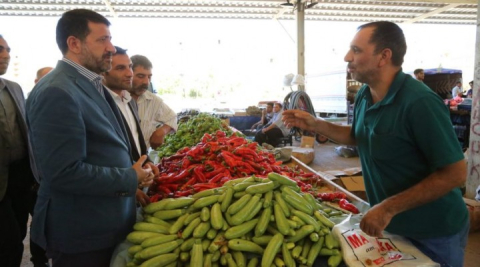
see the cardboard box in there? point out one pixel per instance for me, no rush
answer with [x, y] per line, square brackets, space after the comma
[355, 185]
[307, 141]
[304, 154]
[473, 207]
[226, 121]
[240, 113]
[346, 172]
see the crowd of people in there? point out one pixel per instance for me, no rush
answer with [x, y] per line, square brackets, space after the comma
[83, 158]
[82, 136]
[457, 91]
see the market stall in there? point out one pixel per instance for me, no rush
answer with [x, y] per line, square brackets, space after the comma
[227, 201]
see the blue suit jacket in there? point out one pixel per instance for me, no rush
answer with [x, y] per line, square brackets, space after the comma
[86, 199]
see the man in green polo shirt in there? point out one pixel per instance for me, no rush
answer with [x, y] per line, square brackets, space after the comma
[411, 164]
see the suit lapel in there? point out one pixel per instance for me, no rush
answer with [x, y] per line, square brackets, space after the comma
[89, 89]
[19, 106]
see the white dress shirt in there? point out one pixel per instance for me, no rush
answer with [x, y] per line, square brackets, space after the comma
[122, 103]
[153, 112]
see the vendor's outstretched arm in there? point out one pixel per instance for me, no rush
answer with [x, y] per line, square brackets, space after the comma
[305, 121]
[431, 188]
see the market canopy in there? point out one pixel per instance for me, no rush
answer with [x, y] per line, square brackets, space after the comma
[414, 11]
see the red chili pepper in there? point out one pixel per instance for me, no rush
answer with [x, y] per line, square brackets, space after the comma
[177, 177]
[190, 182]
[172, 187]
[340, 195]
[213, 173]
[164, 190]
[175, 156]
[325, 196]
[307, 175]
[255, 165]
[185, 163]
[219, 134]
[154, 198]
[198, 171]
[201, 187]
[206, 137]
[184, 193]
[183, 150]
[164, 177]
[228, 160]
[344, 204]
[216, 178]
[246, 166]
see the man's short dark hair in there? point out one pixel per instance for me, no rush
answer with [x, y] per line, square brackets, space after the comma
[139, 60]
[388, 35]
[75, 23]
[471, 82]
[417, 71]
[270, 104]
[120, 51]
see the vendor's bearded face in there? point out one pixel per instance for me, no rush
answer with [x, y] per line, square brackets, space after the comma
[141, 80]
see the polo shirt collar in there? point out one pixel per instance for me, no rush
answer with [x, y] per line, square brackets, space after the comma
[392, 91]
[394, 88]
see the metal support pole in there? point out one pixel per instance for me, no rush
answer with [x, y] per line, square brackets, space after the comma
[473, 175]
[300, 19]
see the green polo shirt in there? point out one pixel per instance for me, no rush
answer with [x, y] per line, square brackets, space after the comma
[401, 140]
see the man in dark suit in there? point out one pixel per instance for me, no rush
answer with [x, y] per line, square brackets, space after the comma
[86, 200]
[16, 177]
[118, 80]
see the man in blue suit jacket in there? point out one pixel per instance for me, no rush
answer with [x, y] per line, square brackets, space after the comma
[86, 200]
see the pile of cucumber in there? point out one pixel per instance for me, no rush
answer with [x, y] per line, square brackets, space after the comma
[248, 222]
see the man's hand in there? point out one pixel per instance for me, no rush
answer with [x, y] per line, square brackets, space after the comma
[376, 220]
[142, 198]
[158, 137]
[154, 168]
[298, 118]
[144, 174]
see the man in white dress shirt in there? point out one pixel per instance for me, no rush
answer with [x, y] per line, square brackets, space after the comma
[157, 119]
[117, 80]
[457, 90]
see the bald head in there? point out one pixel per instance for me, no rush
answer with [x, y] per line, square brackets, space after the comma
[42, 72]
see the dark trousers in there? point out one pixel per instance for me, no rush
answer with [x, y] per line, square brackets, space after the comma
[271, 137]
[14, 208]
[39, 257]
[97, 258]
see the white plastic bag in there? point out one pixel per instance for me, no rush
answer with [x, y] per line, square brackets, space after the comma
[359, 249]
[120, 256]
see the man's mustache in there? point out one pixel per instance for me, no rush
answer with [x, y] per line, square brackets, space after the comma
[108, 55]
